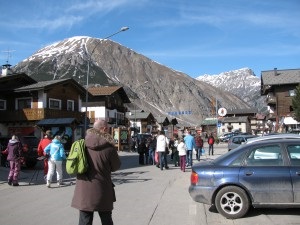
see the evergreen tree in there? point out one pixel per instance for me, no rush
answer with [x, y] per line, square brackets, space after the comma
[296, 103]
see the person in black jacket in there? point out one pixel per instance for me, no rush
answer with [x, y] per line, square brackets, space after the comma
[142, 150]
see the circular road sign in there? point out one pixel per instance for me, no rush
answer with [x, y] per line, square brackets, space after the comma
[222, 112]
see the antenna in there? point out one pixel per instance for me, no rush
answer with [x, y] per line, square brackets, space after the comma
[8, 54]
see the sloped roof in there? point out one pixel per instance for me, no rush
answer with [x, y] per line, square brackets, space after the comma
[274, 77]
[138, 115]
[162, 119]
[50, 83]
[238, 119]
[109, 90]
[57, 121]
[9, 82]
[209, 121]
[242, 111]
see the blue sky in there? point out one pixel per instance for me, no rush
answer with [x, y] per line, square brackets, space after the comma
[193, 36]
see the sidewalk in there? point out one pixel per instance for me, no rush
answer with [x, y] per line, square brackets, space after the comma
[145, 196]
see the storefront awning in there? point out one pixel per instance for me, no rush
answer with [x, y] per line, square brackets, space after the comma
[56, 121]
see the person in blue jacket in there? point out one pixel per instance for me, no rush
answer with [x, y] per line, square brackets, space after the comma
[190, 143]
[56, 153]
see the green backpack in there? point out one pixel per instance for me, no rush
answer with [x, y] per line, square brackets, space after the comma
[76, 160]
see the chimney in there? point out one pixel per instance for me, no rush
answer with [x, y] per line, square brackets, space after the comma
[6, 70]
[275, 72]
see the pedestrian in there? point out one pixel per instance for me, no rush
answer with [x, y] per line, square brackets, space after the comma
[41, 146]
[189, 141]
[94, 190]
[199, 146]
[133, 143]
[56, 153]
[171, 146]
[175, 152]
[161, 148]
[182, 154]
[14, 156]
[142, 150]
[211, 142]
[147, 140]
[152, 147]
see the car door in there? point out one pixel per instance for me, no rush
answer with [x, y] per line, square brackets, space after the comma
[294, 156]
[265, 175]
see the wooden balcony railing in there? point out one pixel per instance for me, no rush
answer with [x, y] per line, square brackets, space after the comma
[38, 114]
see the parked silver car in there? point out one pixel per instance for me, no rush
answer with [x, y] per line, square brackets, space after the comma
[238, 140]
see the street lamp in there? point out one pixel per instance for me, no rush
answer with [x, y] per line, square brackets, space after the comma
[88, 74]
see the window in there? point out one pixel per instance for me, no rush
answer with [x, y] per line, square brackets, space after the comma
[2, 104]
[265, 156]
[292, 93]
[24, 103]
[294, 154]
[54, 103]
[70, 105]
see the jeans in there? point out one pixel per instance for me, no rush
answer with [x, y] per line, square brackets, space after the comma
[151, 156]
[211, 149]
[199, 152]
[189, 154]
[163, 160]
[86, 218]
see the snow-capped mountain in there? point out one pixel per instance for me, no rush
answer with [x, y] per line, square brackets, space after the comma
[242, 82]
[150, 85]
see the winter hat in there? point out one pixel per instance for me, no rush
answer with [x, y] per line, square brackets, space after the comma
[14, 138]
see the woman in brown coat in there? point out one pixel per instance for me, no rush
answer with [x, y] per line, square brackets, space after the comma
[94, 190]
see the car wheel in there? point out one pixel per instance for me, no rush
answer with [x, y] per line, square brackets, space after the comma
[232, 202]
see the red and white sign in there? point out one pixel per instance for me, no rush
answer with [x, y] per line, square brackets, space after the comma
[222, 112]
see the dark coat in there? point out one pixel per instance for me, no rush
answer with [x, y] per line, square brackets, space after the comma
[94, 190]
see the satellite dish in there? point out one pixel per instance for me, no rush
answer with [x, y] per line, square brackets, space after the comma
[222, 112]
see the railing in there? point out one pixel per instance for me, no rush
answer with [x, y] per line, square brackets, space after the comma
[38, 114]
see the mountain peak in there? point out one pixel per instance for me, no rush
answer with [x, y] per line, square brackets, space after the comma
[150, 85]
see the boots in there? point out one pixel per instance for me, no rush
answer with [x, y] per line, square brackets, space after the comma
[9, 181]
[48, 184]
[15, 183]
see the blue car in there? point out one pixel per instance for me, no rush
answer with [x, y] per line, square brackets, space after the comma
[259, 174]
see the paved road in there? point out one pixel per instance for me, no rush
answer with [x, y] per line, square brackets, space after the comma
[145, 196]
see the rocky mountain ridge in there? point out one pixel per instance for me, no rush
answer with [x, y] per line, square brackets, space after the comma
[150, 86]
[243, 83]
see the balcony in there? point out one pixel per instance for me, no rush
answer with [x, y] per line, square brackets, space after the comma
[38, 114]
